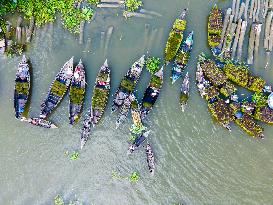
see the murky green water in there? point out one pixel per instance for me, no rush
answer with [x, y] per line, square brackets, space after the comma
[197, 161]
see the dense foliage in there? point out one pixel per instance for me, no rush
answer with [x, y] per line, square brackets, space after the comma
[45, 11]
[132, 5]
[152, 64]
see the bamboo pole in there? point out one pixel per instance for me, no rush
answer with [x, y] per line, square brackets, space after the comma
[254, 10]
[106, 5]
[241, 40]
[236, 39]
[225, 26]
[237, 10]
[267, 29]
[266, 3]
[227, 33]
[258, 30]
[258, 10]
[251, 9]
[241, 11]
[246, 9]
[30, 29]
[233, 7]
[232, 32]
[19, 29]
[251, 44]
[271, 37]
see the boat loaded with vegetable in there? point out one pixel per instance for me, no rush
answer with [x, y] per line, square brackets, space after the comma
[124, 110]
[128, 84]
[152, 92]
[182, 58]
[99, 101]
[22, 87]
[57, 89]
[215, 26]
[39, 122]
[175, 37]
[184, 94]
[76, 93]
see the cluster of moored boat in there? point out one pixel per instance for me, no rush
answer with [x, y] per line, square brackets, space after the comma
[218, 76]
[73, 80]
[179, 52]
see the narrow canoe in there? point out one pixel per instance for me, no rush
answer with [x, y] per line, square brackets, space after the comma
[99, 101]
[151, 94]
[76, 93]
[184, 92]
[128, 83]
[182, 58]
[22, 87]
[150, 159]
[138, 141]
[57, 89]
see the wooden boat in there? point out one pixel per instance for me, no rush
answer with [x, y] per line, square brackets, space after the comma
[175, 36]
[128, 83]
[150, 159]
[182, 58]
[57, 89]
[151, 94]
[124, 110]
[215, 27]
[22, 87]
[76, 93]
[39, 122]
[138, 141]
[184, 94]
[99, 101]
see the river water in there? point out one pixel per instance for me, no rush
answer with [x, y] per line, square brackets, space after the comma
[197, 161]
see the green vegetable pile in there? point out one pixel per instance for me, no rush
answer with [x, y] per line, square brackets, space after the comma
[99, 98]
[127, 84]
[22, 88]
[58, 88]
[76, 95]
[156, 81]
[152, 64]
